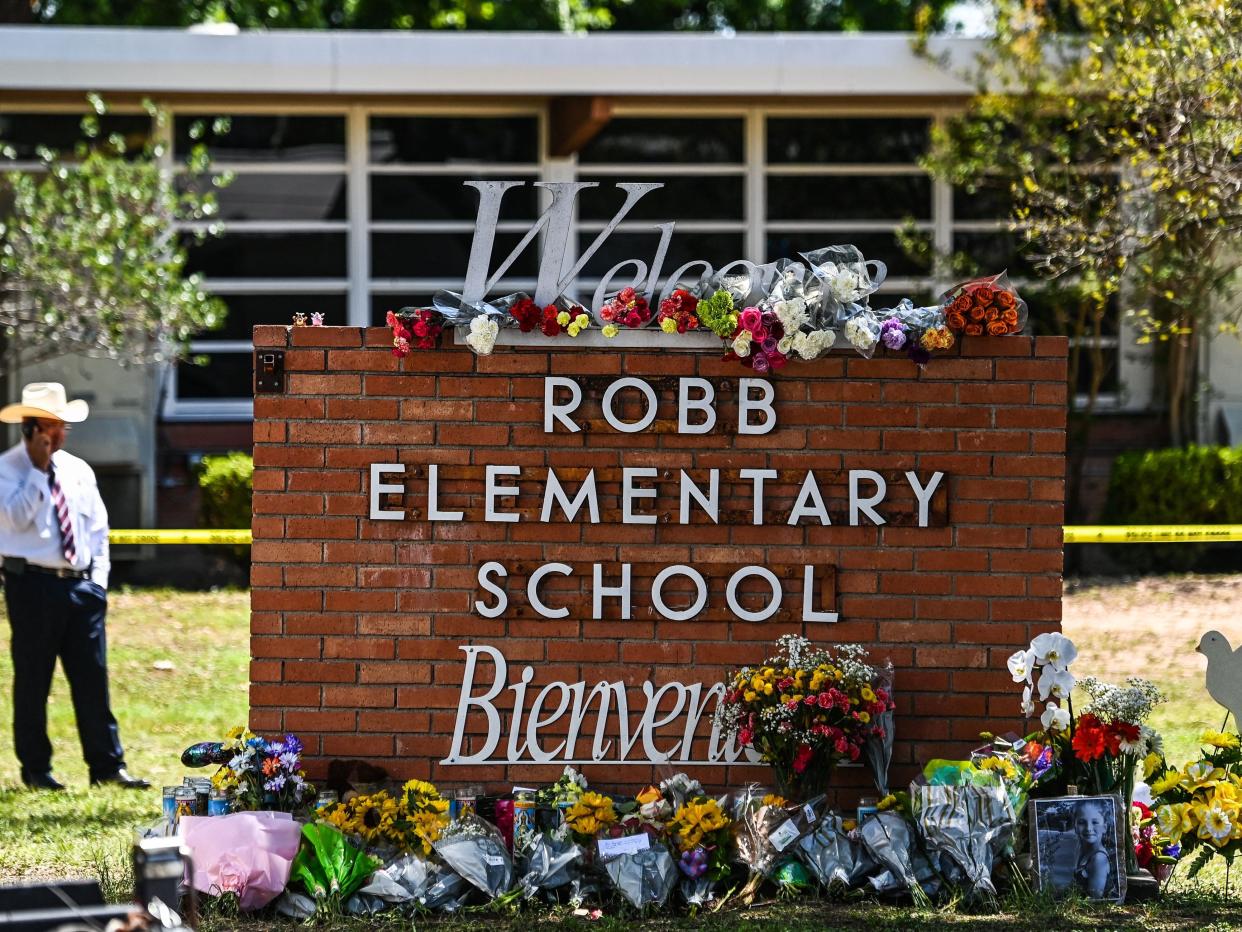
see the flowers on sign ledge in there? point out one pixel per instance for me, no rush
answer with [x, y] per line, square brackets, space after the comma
[414, 328]
[628, 308]
[678, 312]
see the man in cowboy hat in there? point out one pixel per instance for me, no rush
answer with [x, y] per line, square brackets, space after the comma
[54, 541]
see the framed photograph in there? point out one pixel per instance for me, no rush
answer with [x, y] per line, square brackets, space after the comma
[1076, 843]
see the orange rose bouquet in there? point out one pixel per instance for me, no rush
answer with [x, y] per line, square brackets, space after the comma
[984, 306]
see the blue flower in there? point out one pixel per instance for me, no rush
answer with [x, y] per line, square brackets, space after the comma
[292, 744]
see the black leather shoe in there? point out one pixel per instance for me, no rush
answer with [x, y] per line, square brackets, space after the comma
[122, 778]
[42, 781]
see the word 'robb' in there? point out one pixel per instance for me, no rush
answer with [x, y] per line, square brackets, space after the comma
[696, 414]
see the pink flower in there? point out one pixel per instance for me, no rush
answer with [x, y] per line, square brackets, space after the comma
[745, 735]
[854, 752]
[750, 318]
[802, 758]
[841, 746]
[607, 313]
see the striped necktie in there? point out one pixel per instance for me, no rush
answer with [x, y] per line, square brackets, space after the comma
[62, 516]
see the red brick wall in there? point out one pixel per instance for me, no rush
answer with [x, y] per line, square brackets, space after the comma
[356, 624]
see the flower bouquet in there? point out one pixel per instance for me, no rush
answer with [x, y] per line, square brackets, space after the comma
[1198, 809]
[627, 308]
[414, 328]
[757, 339]
[678, 312]
[988, 306]
[474, 850]
[805, 710]
[263, 773]
[412, 821]
[701, 833]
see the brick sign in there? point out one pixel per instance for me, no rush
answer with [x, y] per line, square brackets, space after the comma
[477, 569]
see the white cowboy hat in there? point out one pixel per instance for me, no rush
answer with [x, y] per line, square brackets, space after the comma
[45, 399]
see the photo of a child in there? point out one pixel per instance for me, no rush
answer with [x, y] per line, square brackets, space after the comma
[1076, 844]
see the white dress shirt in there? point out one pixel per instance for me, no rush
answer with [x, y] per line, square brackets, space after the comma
[29, 527]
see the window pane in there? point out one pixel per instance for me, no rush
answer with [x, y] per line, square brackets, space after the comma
[1060, 312]
[264, 138]
[705, 197]
[846, 139]
[443, 197]
[882, 246]
[995, 252]
[247, 310]
[1103, 362]
[984, 204]
[381, 304]
[442, 255]
[277, 197]
[869, 197]
[650, 139]
[717, 248]
[61, 132]
[224, 375]
[270, 255]
[454, 139]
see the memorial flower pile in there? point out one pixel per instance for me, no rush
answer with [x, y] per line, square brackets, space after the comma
[806, 709]
[263, 773]
[590, 816]
[758, 339]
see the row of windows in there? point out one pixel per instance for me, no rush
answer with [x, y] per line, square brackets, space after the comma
[286, 247]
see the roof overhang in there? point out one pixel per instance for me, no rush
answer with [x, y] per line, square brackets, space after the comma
[43, 59]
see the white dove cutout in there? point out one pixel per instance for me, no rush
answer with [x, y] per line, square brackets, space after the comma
[1224, 673]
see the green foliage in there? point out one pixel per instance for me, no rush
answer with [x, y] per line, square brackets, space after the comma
[1185, 485]
[90, 263]
[553, 15]
[1113, 127]
[225, 483]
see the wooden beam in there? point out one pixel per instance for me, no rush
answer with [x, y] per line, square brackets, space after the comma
[575, 121]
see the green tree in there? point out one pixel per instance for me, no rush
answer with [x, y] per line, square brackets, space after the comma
[90, 262]
[554, 15]
[1115, 127]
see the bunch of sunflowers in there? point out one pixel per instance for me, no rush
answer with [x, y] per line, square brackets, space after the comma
[411, 821]
[590, 815]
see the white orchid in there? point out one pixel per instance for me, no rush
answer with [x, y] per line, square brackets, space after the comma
[1054, 683]
[1020, 665]
[1055, 718]
[1054, 649]
[1028, 705]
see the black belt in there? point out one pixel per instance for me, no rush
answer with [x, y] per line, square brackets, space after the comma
[18, 565]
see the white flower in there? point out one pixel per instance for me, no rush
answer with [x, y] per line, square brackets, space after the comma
[844, 285]
[1054, 683]
[784, 344]
[1055, 718]
[741, 343]
[1028, 706]
[791, 314]
[482, 336]
[1054, 649]
[813, 344]
[860, 335]
[1020, 665]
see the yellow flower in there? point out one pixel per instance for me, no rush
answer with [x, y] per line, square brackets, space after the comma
[648, 795]
[563, 318]
[1219, 739]
[888, 802]
[696, 819]
[1166, 783]
[849, 824]
[668, 325]
[611, 330]
[773, 800]
[867, 694]
[1150, 764]
[573, 329]
[1216, 824]
[864, 717]
[750, 695]
[582, 321]
[1174, 821]
[1200, 774]
[590, 813]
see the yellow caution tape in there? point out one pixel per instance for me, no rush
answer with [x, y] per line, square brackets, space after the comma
[1153, 534]
[1101, 534]
[192, 536]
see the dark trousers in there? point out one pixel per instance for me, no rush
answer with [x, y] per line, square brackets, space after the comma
[53, 617]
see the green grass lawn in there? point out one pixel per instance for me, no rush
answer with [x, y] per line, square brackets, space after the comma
[1146, 627]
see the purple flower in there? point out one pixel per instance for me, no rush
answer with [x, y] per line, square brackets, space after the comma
[292, 744]
[1173, 851]
[290, 761]
[275, 748]
[893, 334]
[693, 863]
[276, 784]
[769, 345]
[760, 362]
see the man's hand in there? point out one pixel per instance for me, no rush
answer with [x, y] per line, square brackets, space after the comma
[39, 448]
